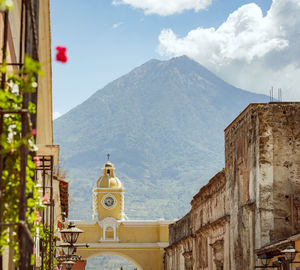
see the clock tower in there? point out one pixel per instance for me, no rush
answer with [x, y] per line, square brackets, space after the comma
[140, 241]
[108, 195]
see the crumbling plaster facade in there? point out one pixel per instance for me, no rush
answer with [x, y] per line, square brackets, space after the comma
[250, 203]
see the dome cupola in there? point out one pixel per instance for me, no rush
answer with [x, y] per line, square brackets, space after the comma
[108, 195]
[108, 178]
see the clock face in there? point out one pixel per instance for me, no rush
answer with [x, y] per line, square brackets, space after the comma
[109, 201]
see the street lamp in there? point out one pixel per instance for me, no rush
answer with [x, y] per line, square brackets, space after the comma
[290, 253]
[70, 236]
[71, 233]
[264, 259]
[67, 249]
[68, 264]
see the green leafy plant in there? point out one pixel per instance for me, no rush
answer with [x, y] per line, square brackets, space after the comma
[5, 5]
[11, 99]
[49, 252]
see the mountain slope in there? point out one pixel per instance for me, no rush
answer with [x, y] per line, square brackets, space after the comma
[163, 125]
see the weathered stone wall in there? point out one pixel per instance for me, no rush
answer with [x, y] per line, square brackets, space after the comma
[254, 201]
[280, 127]
[179, 234]
[262, 165]
[206, 204]
[197, 240]
[209, 216]
[180, 229]
[241, 174]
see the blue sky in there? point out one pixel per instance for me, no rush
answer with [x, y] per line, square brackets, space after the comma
[107, 39]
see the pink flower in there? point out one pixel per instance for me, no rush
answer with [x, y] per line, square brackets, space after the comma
[45, 199]
[33, 132]
[38, 217]
[34, 250]
[37, 161]
[61, 54]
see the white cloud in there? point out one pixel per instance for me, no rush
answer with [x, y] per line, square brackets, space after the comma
[116, 25]
[165, 7]
[249, 50]
[56, 115]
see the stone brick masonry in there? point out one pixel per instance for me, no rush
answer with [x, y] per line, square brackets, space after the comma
[249, 203]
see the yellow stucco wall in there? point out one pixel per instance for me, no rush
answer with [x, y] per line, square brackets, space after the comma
[141, 242]
[128, 231]
[146, 259]
[147, 234]
[44, 102]
[297, 258]
[116, 211]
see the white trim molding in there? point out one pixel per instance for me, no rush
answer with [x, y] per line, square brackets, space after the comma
[107, 223]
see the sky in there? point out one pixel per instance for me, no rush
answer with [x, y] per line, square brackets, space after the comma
[254, 45]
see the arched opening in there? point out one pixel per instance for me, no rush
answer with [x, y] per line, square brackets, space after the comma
[112, 261]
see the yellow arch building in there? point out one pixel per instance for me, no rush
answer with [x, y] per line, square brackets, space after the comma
[142, 242]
